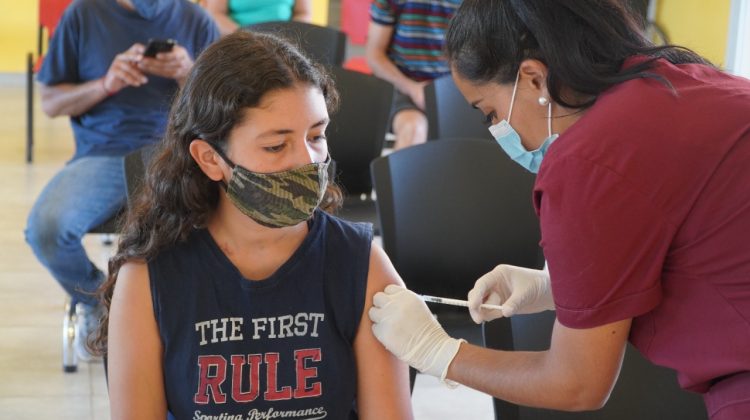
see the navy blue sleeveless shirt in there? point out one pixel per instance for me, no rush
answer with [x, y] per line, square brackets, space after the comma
[274, 348]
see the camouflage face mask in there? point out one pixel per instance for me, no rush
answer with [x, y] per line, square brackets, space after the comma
[278, 199]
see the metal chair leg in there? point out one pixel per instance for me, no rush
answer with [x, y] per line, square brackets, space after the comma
[70, 361]
[29, 108]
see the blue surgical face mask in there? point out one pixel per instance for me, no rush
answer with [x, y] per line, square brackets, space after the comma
[507, 137]
[149, 9]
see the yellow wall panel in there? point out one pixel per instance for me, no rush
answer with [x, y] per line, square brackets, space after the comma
[700, 25]
[320, 12]
[18, 26]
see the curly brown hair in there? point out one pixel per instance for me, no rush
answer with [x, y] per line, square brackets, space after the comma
[230, 76]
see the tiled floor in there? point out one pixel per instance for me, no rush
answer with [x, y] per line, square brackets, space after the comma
[33, 385]
[31, 305]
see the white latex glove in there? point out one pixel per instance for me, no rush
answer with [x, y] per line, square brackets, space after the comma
[407, 328]
[519, 290]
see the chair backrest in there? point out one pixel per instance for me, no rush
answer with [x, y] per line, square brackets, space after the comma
[451, 211]
[448, 113]
[355, 20]
[323, 44]
[643, 391]
[134, 165]
[50, 12]
[357, 131]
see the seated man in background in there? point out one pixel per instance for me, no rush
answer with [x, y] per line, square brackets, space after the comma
[405, 47]
[95, 72]
[232, 14]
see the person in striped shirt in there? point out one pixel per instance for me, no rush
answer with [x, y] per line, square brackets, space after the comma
[405, 47]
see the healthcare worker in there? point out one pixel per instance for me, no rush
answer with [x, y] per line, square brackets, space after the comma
[643, 195]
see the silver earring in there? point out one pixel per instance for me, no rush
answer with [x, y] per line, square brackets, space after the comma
[543, 101]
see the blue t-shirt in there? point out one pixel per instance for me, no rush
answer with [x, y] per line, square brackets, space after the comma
[274, 348]
[89, 36]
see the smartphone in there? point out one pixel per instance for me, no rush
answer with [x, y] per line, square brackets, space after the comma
[156, 46]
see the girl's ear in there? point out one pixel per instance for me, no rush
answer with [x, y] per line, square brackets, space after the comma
[209, 160]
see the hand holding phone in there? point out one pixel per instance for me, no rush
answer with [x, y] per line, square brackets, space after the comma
[156, 46]
[175, 61]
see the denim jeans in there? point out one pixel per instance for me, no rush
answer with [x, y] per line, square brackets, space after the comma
[84, 194]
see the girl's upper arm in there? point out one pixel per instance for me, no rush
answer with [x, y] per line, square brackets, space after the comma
[382, 380]
[136, 385]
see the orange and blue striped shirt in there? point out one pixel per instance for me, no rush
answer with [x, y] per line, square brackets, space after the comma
[419, 34]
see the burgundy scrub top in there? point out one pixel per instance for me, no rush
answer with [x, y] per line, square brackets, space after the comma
[644, 205]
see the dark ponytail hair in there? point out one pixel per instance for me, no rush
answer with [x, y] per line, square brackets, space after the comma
[584, 43]
[230, 76]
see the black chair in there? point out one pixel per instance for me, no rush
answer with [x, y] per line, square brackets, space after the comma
[109, 228]
[356, 136]
[448, 113]
[134, 164]
[450, 211]
[134, 172]
[323, 44]
[643, 391]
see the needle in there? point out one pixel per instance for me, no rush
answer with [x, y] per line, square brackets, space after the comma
[456, 302]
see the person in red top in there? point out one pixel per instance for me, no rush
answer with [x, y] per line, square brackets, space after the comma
[643, 195]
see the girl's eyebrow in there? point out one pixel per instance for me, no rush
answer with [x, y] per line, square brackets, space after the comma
[283, 131]
[324, 121]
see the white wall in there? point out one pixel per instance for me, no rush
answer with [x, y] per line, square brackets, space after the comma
[738, 42]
